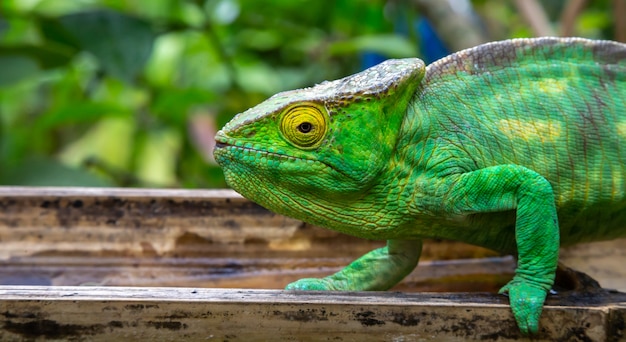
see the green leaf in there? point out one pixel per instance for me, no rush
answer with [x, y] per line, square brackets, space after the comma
[591, 23]
[121, 43]
[41, 171]
[391, 46]
[53, 30]
[73, 113]
[262, 40]
[26, 60]
[258, 78]
[46, 56]
[157, 157]
[109, 141]
[15, 68]
[172, 105]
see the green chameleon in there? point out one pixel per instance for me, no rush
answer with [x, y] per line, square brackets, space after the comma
[518, 146]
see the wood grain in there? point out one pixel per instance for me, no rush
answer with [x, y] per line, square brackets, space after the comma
[161, 314]
[177, 263]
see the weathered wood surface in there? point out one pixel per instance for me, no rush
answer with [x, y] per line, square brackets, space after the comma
[216, 238]
[212, 239]
[164, 314]
[138, 237]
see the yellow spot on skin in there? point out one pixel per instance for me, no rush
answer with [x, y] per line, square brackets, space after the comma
[621, 129]
[550, 85]
[618, 185]
[537, 130]
[565, 196]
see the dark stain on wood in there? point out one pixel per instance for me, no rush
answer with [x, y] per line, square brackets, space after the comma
[132, 211]
[304, 315]
[175, 326]
[368, 319]
[617, 324]
[50, 329]
[140, 307]
[407, 320]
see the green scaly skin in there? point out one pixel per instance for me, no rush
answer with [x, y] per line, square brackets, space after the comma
[518, 146]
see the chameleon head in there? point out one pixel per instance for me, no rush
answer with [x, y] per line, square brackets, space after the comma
[306, 147]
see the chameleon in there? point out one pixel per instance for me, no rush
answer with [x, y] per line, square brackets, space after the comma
[518, 146]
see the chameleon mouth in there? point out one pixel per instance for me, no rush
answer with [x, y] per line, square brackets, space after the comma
[249, 150]
[224, 144]
[221, 140]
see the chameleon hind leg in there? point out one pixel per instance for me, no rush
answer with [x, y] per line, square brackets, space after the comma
[377, 270]
[507, 187]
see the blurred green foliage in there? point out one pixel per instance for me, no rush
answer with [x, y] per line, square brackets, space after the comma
[130, 93]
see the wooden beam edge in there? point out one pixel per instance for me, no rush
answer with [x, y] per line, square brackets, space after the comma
[235, 295]
[132, 313]
[71, 192]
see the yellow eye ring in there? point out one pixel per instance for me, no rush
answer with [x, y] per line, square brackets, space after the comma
[304, 125]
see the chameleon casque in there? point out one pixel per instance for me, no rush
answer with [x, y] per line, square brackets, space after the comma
[518, 146]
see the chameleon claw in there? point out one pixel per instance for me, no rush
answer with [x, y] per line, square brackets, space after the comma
[526, 302]
[309, 284]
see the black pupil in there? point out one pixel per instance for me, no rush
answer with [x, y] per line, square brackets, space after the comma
[305, 127]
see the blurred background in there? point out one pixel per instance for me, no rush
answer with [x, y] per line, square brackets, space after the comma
[130, 92]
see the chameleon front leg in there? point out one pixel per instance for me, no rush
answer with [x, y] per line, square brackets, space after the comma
[507, 187]
[377, 270]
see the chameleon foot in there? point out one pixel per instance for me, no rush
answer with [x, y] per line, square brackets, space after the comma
[310, 284]
[526, 302]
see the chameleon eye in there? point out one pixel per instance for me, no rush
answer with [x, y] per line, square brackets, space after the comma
[304, 125]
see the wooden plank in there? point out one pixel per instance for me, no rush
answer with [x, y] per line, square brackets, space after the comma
[216, 238]
[164, 223]
[133, 314]
[130, 221]
[213, 238]
[617, 323]
[195, 239]
[487, 274]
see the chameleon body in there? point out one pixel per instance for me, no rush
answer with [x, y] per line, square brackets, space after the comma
[518, 146]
